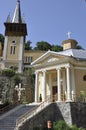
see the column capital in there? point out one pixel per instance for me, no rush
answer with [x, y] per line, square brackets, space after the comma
[58, 68]
[44, 70]
[36, 72]
[67, 66]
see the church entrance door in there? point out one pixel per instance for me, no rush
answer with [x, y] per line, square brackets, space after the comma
[54, 92]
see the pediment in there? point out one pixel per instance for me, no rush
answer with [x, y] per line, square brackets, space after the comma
[48, 57]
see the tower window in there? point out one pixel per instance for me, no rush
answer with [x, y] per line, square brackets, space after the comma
[12, 49]
[27, 59]
[13, 42]
[84, 77]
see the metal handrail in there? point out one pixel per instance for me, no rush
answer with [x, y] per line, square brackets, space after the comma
[33, 112]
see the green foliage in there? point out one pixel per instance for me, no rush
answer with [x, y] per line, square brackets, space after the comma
[2, 39]
[74, 128]
[43, 46]
[56, 48]
[28, 45]
[60, 125]
[8, 72]
[79, 47]
[17, 79]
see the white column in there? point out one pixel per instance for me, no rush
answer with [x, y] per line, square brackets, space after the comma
[21, 50]
[36, 86]
[5, 48]
[68, 84]
[59, 83]
[64, 85]
[20, 68]
[73, 85]
[5, 52]
[44, 86]
[50, 86]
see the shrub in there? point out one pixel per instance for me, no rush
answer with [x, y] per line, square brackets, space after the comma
[8, 72]
[60, 125]
[17, 79]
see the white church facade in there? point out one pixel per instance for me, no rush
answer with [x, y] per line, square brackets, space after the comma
[61, 76]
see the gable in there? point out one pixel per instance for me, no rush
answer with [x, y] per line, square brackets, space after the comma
[48, 57]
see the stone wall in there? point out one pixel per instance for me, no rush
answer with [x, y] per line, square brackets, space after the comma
[71, 113]
[8, 92]
[78, 114]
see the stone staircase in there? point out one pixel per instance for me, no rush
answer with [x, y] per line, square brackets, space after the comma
[8, 120]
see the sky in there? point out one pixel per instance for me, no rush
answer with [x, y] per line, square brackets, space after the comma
[49, 20]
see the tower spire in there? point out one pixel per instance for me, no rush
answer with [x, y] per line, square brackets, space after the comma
[17, 14]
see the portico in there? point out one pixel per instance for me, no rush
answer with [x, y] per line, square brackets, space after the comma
[54, 83]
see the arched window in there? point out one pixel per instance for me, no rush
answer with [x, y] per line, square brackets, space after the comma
[84, 77]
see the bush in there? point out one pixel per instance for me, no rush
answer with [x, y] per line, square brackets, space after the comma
[17, 79]
[8, 72]
[60, 125]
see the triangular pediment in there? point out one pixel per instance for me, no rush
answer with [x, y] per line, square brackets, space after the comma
[48, 57]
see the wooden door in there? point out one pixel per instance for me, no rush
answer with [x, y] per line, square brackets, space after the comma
[54, 92]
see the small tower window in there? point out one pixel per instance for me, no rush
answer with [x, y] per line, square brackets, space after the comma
[13, 42]
[84, 77]
[12, 49]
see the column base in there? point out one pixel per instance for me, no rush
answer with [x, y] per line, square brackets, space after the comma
[69, 100]
[34, 103]
[59, 101]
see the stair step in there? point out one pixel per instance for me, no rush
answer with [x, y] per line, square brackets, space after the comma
[8, 122]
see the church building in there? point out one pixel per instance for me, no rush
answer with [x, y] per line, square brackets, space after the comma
[61, 76]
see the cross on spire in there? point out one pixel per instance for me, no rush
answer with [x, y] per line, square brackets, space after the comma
[68, 34]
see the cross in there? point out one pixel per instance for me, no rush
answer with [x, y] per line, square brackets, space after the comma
[19, 90]
[68, 34]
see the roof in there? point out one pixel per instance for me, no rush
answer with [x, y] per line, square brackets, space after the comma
[76, 53]
[17, 14]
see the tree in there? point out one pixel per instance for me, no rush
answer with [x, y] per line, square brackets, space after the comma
[43, 46]
[79, 47]
[28, 45]
[2, 40]
[56, 48]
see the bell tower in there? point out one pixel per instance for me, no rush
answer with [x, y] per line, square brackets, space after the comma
[15, 33]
